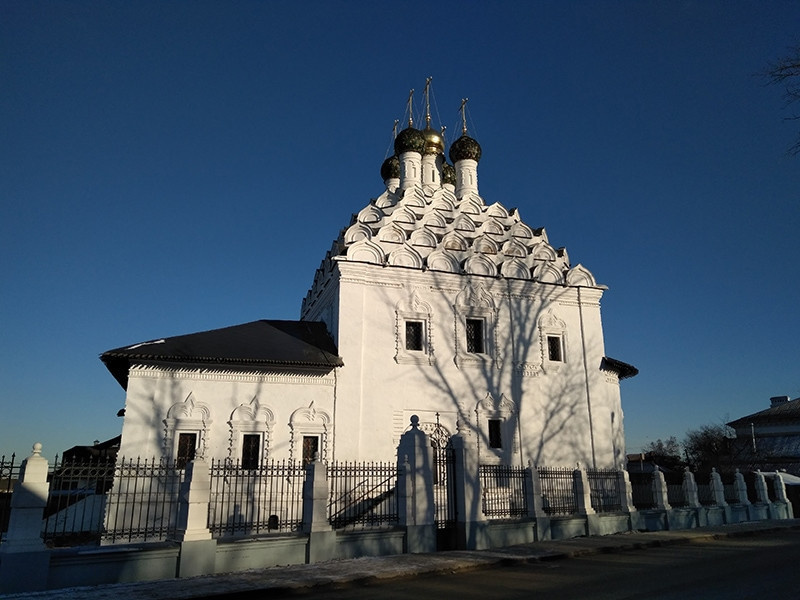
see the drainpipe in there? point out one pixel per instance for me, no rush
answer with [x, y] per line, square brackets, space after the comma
[586, 379]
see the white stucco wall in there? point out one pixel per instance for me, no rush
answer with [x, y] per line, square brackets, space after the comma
[221, 405]
[545, 406]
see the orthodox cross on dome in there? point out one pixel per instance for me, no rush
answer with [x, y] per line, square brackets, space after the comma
[394, 129]
[428, 102]
[463, 111]
[411, 108]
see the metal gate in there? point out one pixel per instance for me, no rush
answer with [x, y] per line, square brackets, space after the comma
[444, 496]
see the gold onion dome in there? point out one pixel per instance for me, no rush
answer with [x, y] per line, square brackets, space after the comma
[448, 173]
[434, 141]
[390, 169]
[409, 140]
[465, 147]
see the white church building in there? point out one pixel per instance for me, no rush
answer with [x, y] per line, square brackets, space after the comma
[433, 301]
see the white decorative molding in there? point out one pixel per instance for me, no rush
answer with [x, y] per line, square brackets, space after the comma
[547, 273]
[580, 276]
[251, 418]
[414, 309]
[187, 416]
[406, 256]
[478, 264]
[502, 409]
[551, 325]
[308, 421]
[220, 374]
[527, 369]
[366, 251]
[475, 302]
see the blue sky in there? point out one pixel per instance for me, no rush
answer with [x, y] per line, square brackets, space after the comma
[172, 167]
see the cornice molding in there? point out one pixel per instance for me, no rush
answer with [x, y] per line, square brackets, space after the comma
[148, 372]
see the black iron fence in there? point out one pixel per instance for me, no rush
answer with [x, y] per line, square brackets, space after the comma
[605, 490]
[263, 499]
[676, 492]
[444, 487]
[558, 491]
[729, 487]
[642, 490]
[142, 505]
[705, 492]
[9, 472]
[95, 502]
[362, 495]
[503, 491]
[76, 503]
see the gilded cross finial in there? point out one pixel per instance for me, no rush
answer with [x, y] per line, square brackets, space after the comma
[394, 128]
[411, 108]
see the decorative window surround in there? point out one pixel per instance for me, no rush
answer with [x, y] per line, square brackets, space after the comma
[248, 419]
[504, 413]
[308, 422]
[186, 417]
[475, 304]
[552, 328]
[414, 310]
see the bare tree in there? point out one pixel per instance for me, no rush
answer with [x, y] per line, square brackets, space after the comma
[665, 453]
[709, 446]
[786, 72]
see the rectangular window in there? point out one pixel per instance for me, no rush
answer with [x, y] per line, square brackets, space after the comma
[310, 448]
[187, 444]
[413, 335]
[495, 433]
[475, 340]
[251, 447]
[554, 348]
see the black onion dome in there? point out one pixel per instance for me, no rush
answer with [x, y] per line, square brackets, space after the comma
[448, 173]
[409, 140]
[434, 142]
[465, 147]
[390, 169]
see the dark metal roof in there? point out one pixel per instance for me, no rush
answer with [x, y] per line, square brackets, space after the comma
[623, 369]
[785, 411]
[259, 343]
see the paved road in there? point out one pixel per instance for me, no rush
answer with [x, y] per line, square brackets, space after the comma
[745, 560]
[760, 566]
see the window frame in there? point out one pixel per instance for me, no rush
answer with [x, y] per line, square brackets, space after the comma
[180, 460]
[248, 459]
[420, 335]
[403, 355]
[495, 433]
[555, 343]
[475, 344]
[489, 355]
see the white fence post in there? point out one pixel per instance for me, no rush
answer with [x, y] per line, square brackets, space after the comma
[690, 489]
[533, 489]
[470, 520]
[762, 494]
[717, 488]
[740, 486]
[316, 495]
[780, 494]
[415, 482]
[25, 560]
[198, 550]
[660, 490]
[583, 493]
